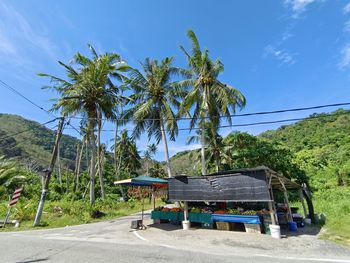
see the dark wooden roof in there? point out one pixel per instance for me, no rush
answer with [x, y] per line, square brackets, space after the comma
[277, 181]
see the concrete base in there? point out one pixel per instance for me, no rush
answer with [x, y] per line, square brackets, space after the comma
[15, 222]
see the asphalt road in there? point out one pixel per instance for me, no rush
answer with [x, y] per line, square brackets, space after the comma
[113, 241]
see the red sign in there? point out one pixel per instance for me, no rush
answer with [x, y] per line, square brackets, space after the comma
[15, 196]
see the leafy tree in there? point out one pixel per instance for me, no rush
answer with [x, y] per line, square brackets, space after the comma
[89, 91]
[154, 101]
[11, 175]
[157, 171]
[209, 97]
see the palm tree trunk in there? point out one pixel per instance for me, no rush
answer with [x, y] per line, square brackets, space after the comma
[99, 161]
[116, 162]
[166, 150]
[92, 165]
[77, 168]
[203, 150]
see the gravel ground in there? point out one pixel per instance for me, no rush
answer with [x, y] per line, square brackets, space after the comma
[304, 243]
[114, 241]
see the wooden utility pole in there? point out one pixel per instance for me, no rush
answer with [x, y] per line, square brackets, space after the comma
[59, 165]
[48, 173]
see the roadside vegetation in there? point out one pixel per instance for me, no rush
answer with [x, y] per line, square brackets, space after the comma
[99, 88]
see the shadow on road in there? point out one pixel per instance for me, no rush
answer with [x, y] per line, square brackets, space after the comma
[34, 260]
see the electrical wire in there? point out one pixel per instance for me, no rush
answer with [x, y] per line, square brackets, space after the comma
[253, 123]
[4, 84]
[233, 115]
[26, 130]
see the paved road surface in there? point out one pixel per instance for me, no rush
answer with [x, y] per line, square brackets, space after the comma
[113, 241]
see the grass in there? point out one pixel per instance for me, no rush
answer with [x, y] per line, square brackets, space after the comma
[337, 225]
[68, 213]
[335, 205]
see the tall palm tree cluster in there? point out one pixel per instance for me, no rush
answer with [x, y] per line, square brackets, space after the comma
[159, 95]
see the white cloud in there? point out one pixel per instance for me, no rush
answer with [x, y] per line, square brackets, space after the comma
[297, 6]
[347, 27]
[345, 57]
[346, 8]
[17, 36]
[282, 55]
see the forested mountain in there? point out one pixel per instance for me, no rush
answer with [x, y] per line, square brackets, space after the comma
[319, 147]
[33, 147]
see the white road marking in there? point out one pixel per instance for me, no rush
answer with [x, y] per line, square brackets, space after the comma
[168, 246]
[139, 236]
[307, 259]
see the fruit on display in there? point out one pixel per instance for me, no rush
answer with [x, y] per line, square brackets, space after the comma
[159, 208]
[220, 212]
[176, 209]
[196, 210]
[249, 213]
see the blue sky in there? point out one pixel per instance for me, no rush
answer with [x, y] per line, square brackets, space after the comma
[280, 54]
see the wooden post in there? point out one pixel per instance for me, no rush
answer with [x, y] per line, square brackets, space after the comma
[271, 204]
[286, 201]
[289, 211]
[153, 198]
[59, 165]
[272, 213]
[302, 202]
[49, 172]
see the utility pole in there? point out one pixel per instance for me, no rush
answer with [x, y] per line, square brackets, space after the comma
[48, 173]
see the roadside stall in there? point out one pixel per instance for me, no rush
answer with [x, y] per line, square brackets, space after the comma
[145, 183]
[240, 200]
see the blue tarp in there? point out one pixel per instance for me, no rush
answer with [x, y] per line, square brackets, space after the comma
[236, 219]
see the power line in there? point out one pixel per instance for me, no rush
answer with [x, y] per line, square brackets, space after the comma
[190, 118]
[233, 115]
[17, 133]
[21, 95]
[32, 102]
[253, 123]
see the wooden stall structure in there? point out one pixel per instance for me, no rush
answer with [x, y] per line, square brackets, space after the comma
[241, 185]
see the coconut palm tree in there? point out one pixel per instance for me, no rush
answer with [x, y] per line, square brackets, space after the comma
[90, 92]
[154, 102]
[126, 151]
[148, 155]
[216, 151]
[209, 98]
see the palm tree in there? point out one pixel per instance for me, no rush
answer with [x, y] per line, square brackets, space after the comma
[126, 152]
[154, 101]
[218, 154]
[148, 155]
[209, 98]
[90, 92]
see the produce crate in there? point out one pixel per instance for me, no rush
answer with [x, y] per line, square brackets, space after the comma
[208, 225]
[252, 228]
[223, 226]
[199, 217]
[239, 227]
[179, 216]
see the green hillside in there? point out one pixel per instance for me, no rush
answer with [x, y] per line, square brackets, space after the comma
[33, 148]
[316, 150]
